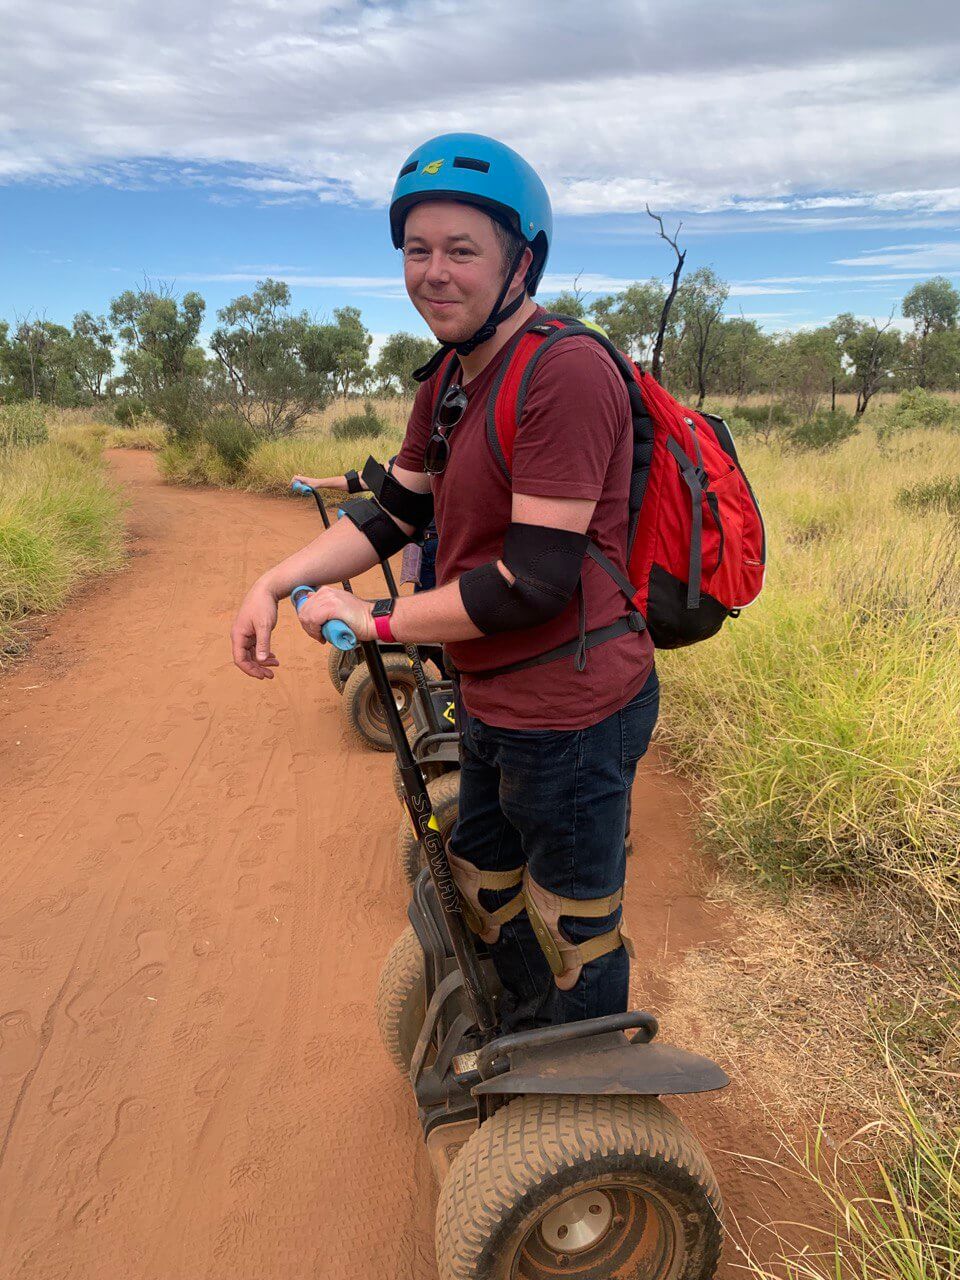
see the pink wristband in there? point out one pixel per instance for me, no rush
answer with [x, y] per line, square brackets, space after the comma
[384, 630]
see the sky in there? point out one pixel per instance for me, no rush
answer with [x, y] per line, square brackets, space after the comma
[811, 151]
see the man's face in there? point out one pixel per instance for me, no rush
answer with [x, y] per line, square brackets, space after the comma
[453, 267]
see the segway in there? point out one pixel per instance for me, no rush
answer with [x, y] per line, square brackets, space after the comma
[350, 677]
[554, 1154]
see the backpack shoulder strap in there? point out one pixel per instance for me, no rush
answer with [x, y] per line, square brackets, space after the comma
[502, 418]
[509, 392]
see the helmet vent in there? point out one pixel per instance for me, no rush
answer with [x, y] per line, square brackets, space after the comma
[408, 168]
[465, 162]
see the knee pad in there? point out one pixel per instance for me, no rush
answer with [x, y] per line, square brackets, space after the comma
[565, 958]
[470, 880]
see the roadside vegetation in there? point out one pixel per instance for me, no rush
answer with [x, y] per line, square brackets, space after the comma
[60, 520]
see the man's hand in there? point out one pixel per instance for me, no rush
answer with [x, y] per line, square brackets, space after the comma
[330, 602]
[251, 631]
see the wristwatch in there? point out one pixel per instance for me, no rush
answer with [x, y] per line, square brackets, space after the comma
[382, 610]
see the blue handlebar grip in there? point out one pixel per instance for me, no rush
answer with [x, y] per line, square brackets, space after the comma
[299, 487]
[339, 634]
[335, 632]
[340, 513]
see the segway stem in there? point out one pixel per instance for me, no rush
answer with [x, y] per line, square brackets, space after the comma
[417, 800]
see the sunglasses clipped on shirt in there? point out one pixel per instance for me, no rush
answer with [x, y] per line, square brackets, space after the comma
[448, 413]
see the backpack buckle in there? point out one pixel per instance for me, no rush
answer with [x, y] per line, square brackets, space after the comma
[637, 621]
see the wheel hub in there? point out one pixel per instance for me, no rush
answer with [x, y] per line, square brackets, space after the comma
[578, 1223]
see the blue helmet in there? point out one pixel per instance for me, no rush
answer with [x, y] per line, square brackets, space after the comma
[480, 171]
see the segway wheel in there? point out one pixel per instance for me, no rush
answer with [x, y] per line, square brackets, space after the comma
[578, 1187]
[444, 795]
[401, 999]
[361, 703]
[340, 666]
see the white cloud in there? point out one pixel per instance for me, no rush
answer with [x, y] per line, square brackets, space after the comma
[762, 108]
[910, 257]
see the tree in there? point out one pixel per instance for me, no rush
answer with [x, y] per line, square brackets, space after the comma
[933, 306]
[806, 363]
[37, 362]
[656, 363]
[741, 359]
[631, 318]
[700, 301]
[350, 346]
[92, 344]
[568, 303]
[163, 363]
[267, 378]
[872, 352]
[400, 355]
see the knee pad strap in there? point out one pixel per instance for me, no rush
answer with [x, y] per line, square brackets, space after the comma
[566, 958]
[470, 880]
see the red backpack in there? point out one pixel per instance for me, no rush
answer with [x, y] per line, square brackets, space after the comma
[696, 547]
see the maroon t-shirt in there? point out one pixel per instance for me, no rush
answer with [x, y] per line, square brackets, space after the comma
[574, 441]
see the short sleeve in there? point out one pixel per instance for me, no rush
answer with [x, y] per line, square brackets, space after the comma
[410, 457]
[576, 412]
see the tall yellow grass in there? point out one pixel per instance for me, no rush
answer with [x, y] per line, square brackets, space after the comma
[824, 723]
[60, 522]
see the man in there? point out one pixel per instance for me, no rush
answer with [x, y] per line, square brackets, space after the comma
[549, 750]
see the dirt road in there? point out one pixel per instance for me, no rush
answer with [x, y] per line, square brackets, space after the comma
[198, 887]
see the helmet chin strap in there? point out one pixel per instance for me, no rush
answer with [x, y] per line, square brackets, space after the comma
[486, 330]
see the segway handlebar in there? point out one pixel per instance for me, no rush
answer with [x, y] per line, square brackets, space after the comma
[336, 632]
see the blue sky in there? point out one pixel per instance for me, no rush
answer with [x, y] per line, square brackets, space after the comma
[812, 155]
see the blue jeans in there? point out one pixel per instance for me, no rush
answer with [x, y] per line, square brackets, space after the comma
[556, 801]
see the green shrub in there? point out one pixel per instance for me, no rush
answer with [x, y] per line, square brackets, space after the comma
[22, 425]
[941, 494]
[758, 415]
[357, 425]
[60, 522]
[232, 439]
[825, 430]
[915, 410]
[128, 411]
[194, 462]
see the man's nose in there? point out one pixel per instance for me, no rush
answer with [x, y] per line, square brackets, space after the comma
[437, 267]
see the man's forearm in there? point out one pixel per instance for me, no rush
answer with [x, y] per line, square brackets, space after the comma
[436, 616]
[339, 552]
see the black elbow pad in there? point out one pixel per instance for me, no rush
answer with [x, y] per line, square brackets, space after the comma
[546, 565]
[384, 535]
[396, 499]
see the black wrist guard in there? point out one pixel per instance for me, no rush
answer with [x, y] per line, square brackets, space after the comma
[384, 535]
[353, 482]
[546, 565]
[396, 499]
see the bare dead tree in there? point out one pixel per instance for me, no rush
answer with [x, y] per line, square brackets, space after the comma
[656, 363]
[872, 376]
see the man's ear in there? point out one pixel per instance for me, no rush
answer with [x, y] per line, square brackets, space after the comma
[521, 272]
